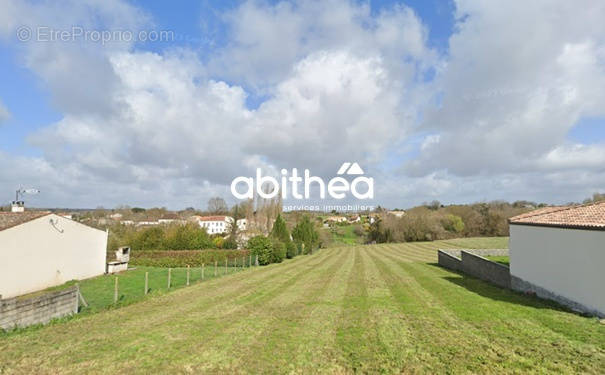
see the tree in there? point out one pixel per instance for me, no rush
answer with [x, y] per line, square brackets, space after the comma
[217, 205]
[304, 233]
[453, 223]
[262, 247]
[280, 231]
[278, 251]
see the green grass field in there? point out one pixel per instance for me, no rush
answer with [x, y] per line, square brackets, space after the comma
[382, 308]
[343, 235]
[99, 291]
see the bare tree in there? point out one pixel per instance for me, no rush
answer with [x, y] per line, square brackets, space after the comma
[217, 205]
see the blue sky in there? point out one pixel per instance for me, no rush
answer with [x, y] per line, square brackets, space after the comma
[437, 99]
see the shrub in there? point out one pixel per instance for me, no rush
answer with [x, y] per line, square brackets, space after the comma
[278, 251]
[304, 232]
[183, 258]
[291, 250]
[262, 247]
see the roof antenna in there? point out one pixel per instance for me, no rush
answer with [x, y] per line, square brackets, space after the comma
[18, 205]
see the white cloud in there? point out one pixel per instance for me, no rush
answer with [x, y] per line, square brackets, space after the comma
[516, 81]
[342, 84]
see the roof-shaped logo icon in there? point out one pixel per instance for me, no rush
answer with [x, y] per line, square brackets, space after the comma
[349, 168]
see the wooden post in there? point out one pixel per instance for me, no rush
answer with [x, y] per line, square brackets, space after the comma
[115, 291]
[215, 266]
[146, 282]
[169, 276]
[79, 296]
[202, 271]
[187, 275]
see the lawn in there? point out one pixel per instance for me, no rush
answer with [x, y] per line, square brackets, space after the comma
[344, 235]
[99, 291]
[381, 308]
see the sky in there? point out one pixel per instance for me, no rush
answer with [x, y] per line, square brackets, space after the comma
[457, 101]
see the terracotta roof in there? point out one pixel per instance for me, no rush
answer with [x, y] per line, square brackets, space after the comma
[12, 219]
[211, 218]
[589, 216]
[170, 216]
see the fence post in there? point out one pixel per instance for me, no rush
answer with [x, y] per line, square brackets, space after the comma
[79, 295]
[215, 266]
[226, 265]
[243, 263]
[250, 262]
[169, 276]
[202, 271]
[187, 275]
[115, 291]
[256, 261]
[146, 282]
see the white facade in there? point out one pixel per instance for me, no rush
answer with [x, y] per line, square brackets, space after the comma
[216, 224]
[49, 251]
[242, 224]
[566, 262]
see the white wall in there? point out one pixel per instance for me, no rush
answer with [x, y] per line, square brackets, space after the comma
[35, 255]
[567, 262]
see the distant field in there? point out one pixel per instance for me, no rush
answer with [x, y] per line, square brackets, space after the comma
[381, 308]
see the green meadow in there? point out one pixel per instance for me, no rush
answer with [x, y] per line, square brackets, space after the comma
[371, 309]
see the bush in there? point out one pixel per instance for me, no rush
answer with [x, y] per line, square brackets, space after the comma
[278, 251]
[291, 250]
[184, 258]
[304, 232]
[262, 247]
[172, 237]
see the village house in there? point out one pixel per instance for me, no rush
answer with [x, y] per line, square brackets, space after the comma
[214, 224]
[559, 253]
[335, 219]
[171, 218]
[41, 249]
[396, 213]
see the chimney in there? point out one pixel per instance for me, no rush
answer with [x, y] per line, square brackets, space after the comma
[18, 206]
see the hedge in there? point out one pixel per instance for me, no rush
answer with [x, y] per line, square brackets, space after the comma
[183, 258]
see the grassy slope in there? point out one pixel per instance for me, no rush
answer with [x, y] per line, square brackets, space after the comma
[99, 291]
[366, 308]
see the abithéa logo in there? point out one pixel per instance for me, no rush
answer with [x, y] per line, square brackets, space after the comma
[361, 187]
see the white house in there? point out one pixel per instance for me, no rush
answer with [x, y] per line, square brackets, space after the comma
[215, 224]
[39, 250]
[242, 224]
[397, 213]
[559, 253]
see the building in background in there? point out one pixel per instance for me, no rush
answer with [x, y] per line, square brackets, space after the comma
[214, 224]
[559, 253]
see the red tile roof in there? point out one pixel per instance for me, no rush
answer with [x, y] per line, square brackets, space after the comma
[589, 216]
[211, 218]
[12, 219]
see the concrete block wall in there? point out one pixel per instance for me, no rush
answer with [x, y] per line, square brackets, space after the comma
[23, 311]
[472, 262]
[485, 269]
